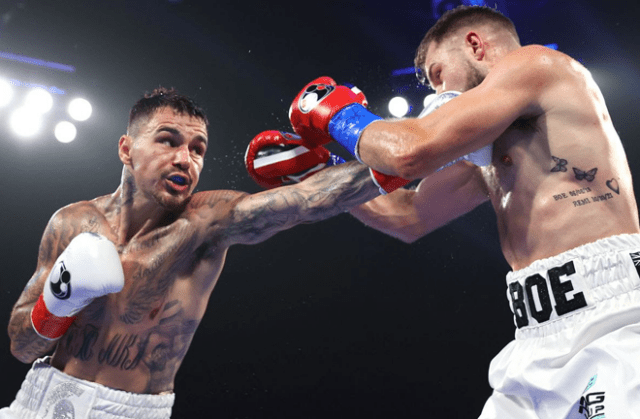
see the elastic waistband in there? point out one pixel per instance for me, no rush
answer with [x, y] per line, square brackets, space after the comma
[49, 393]
[561, 286]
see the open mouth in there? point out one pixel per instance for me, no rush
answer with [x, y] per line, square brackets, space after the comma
[178, 180]
[178, 183]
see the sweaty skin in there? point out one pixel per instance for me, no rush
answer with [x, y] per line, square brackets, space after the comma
[559, 176]
[172, 246]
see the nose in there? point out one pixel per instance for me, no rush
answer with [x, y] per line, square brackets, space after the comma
[181, 158]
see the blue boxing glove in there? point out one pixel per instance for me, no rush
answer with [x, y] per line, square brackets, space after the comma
[324, 110]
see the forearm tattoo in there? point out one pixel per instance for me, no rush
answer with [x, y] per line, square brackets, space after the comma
[26, 344]
[325, 194]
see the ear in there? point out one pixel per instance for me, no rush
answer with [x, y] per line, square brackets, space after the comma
[477, 45]
[124, 149]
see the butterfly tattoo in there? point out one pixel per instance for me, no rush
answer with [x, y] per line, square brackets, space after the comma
[588, 175]
[561, 164]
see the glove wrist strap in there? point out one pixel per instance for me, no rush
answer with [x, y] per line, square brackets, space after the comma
[46, 324]
[387, 183]
[346, 126]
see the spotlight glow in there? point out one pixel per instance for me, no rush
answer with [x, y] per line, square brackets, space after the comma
[65, 132]
[398, 107]
[6, 92]
[80, 109]
[25, 122]
[39, 100]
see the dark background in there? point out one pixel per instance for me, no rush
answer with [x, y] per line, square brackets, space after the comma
[331, 320]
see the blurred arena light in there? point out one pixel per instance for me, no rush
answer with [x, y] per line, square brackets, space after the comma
[25, 122]
[79, 109]
[65, 132]
[37, 62]
[39, 100]
[398, 107]
[38, 106]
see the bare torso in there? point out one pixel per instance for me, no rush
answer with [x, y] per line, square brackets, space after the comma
[135, 340]
[561, 179]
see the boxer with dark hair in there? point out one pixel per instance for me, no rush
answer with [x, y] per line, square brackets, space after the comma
[123, 280]
[561, 188]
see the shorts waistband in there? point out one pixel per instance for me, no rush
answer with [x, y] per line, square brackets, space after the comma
[48, 393]
[577, 280]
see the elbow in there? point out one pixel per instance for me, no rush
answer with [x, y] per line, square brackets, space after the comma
[407, 239]
[408, 164]
[410, 159]
[21, 356]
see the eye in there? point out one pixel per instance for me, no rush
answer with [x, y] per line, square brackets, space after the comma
[199, 150]
[166, 141]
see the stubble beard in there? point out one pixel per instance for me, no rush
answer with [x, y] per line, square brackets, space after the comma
[474, 76]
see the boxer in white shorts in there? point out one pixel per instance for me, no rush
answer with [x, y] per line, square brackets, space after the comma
[576, 352]
[49, 393]
[123, 280]
[558, 180]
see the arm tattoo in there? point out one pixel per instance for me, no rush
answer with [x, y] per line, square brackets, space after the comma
[327, 193]
[26, 344]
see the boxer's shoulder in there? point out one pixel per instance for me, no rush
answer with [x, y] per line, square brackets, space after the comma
[208, 210]
[78, 216]
[216, 202]
[542, 62]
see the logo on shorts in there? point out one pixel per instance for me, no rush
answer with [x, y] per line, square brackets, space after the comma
[592, 404]
[59, 404]
[547, 295]
[60, 286]
[313, 95]
[635, 257]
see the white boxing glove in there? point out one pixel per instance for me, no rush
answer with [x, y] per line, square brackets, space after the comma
[481, 157]
[89, 267]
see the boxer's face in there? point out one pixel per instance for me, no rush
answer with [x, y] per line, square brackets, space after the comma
[448, 66]
[167, 155]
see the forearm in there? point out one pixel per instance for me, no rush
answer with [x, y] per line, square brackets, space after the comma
[336, 190]
[26, 344]
[328, 193]
[391, 147]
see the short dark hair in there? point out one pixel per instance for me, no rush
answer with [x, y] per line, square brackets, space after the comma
[162, 97]
[457, 18]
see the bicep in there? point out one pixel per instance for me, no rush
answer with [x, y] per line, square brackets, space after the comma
[439, 199]
[48, 252]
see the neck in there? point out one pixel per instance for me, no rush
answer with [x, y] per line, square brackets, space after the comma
[136, 213]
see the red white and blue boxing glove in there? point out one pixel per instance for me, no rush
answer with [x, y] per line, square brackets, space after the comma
[275, 158]
[88, 268]
[324, 111]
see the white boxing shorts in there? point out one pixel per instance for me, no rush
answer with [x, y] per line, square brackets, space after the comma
[48, 393]
[576, 353]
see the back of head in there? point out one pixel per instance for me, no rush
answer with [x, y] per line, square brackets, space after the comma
[162, 97]
[454, 20]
